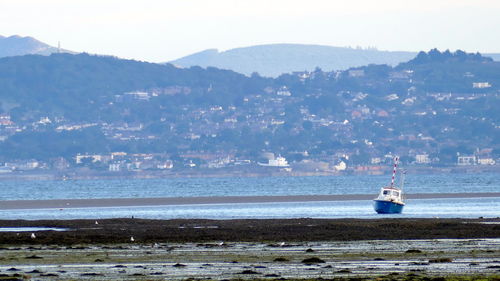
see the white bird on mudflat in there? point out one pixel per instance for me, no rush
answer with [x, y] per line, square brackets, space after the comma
[132, 239]
[96, 222]
[282, 244]
[33, 236]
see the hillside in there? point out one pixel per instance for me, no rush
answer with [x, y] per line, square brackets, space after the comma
[18, 46]
[276, 59]
[438, 104]
[273, 60]
[74, 85]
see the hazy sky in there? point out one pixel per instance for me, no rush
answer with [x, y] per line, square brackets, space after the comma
[165, 30]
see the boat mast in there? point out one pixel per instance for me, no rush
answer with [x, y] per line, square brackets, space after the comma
[394, 171]
[403, 174]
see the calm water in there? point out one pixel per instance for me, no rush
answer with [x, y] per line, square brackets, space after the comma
[147, 188]
[467, 208]
[428, 208]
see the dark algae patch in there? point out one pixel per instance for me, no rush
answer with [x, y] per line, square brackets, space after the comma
[91, 274]
[440, 260]
[33, 257]
[413, 251]
[313, 260]
[248, 271]
[119, 231]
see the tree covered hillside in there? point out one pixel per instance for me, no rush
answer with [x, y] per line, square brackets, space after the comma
[78, 86]
[439, 103]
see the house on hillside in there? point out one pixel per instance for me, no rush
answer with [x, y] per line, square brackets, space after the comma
[422, 159]
[481, 85]
[466, 160]
[356, 73]
[79, 158]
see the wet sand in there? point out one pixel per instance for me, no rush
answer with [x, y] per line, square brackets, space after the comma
[280, 249]
[128, 202]
[424, 260]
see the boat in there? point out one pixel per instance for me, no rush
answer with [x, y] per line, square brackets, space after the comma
[390, 198]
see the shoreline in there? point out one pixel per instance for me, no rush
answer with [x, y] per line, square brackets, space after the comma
[168, 201]
[86, 174]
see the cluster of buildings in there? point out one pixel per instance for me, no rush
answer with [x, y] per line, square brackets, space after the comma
[119, 162]
[361, 124]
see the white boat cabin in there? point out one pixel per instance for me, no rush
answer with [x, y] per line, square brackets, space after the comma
[390, 194]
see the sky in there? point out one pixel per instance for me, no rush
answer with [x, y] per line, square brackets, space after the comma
[160, 31]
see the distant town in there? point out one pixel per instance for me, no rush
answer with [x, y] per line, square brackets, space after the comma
[211, 122]
[214, 120]
[121, 164]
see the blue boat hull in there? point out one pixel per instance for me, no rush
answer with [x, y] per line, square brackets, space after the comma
[387, 207]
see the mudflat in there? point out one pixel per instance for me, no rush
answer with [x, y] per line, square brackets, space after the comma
[255, 249]
[426, 260]
[120, 230]
[124, 202]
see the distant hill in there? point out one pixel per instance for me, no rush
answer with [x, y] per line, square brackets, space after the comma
[70, 84]
[18, 46]
[273, 60]
[276, 59]
[495, 57]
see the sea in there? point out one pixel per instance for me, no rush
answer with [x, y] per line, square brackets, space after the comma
[257, 186]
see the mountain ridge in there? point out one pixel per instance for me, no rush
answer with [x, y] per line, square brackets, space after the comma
[17, 45]
[272, 60]
[269, 60]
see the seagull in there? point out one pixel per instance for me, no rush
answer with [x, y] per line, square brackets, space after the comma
[33, 236]
[96, 222]
[282, 244]
[132, 239]
[221, 243]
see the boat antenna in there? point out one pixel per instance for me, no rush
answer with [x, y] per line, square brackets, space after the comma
[394, 171]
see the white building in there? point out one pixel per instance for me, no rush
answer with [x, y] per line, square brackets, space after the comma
[165, 165]
[278, 162]
[481, 85]
[114, 167]
[138, 95]
[356, 73]
[342, 166]
[486, 161]
[375, 160]
[95, 158]
[422, 159]
[466, 160]
[283, 91]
